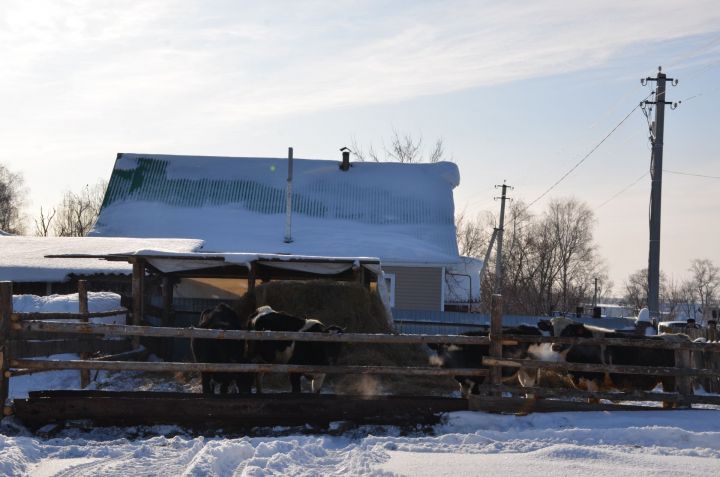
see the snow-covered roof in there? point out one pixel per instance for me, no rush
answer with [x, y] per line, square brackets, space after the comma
[23, 258]
[401, 213]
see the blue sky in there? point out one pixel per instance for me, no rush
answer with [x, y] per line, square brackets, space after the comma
[519, 91]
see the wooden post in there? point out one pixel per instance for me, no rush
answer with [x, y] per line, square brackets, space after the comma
[138, 294]
[495, 339]
[167, 318]
[252, 276]
[6, 309]
[712, 330]
[683, 384]
[84, 310]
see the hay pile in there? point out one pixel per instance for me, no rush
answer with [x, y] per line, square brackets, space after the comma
[358, 310]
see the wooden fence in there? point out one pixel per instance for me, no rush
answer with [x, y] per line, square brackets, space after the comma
[15, 352]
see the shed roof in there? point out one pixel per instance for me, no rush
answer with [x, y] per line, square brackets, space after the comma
[24, 258]
[401, 213]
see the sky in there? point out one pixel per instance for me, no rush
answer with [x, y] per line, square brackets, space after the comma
[518, 91]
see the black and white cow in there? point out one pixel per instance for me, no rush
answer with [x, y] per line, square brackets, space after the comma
[222, 317]
[614, 355]
[292, 352]
[470, 356]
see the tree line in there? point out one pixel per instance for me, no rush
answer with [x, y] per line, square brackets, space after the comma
[73, 216]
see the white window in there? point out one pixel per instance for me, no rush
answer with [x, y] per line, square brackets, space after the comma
[390, 287]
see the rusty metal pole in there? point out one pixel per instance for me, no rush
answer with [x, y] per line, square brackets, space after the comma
[495, 339]
[84, 309]
[6, 309]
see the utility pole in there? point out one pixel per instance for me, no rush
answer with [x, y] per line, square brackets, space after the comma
[499, 230]
[656, 139]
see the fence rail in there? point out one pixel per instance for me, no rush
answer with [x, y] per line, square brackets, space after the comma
[16, 351]
[169, 332]
[18, 316]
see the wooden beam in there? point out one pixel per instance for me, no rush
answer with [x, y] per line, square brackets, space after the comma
[599, 368]
[496, 337]
[252, 276]
[83, 308]
[19, 316]
[158, 332]
[230, 412]
[31, 348]
[160, 367]
[138, 294]
[633, 343]
[6, 308]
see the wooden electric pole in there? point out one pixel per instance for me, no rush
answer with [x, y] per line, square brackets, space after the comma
[500, 230]
[656, 138]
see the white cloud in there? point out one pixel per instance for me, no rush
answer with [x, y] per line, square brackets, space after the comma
[236, 62]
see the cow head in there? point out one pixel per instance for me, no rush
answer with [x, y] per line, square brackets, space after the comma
[565, 328]
[222, 317]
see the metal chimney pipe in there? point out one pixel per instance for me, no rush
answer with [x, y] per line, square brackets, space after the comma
[288, 198]
[345, 165]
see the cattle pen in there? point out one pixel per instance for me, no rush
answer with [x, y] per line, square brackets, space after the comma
[26, 337]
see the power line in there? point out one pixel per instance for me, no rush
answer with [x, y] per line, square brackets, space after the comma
[586, 155]
[691, 174]
[624, 189]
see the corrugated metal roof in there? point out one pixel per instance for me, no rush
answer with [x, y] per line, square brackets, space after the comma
[328, 197]
[405, 199]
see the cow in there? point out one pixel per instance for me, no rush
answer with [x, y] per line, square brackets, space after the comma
[222, 317]
[470, 356]
[292, 352]
[614, 355]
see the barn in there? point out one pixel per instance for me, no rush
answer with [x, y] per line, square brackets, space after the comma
[401, 214]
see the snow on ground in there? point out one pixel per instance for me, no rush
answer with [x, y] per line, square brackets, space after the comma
[594, 443]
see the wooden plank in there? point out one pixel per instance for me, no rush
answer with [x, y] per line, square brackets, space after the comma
[612, 396]
[138, 295]
[83, 308]
[496, 337]
[6, 309]
[641, 343]
[31, 348]
[66, 316]
[158, 332]
[49, 364]
[232, 411]
[598, 368]
[508, 405]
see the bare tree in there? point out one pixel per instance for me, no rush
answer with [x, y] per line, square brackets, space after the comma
[473, 235]
[403, 148]
[680, 298]
[42, 223]
[11, 201]
[78, 211]
[570, 222]
[705, 280]
[637, 289]
[549, 261]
